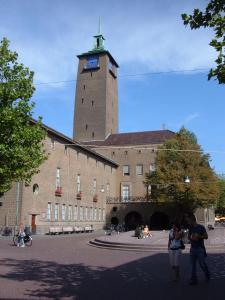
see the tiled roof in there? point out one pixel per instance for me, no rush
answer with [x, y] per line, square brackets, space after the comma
[134, 138]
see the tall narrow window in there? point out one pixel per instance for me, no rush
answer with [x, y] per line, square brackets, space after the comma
[81, 213]
[126, 170]
[56, 212]
[95, 214]
[63, 212]
[139, 169]
[99, 214]
[58, 183]
[86, 127]
[78, 184]
[69, 213]
[108, 189]
[91, 213]
[125, 192]
[92, 103]
[103, 214]
[82, 100]
[86, 213]
[93, 134]
[84, 86]
[94, 186]
[49, 211]
[75, 215]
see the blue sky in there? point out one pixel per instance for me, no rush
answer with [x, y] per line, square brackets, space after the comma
[144, 36]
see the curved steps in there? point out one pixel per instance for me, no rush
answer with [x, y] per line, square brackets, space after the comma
[144, 247]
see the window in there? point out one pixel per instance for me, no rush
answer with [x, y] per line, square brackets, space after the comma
[86, 213]
[99, 214]
[82, 100]
[81, 213]
[75, 213]
[70, 213]
[56, 212]
[125, 192]
[86, 127]
[92, 62]
[92, 103]
[78, 183]
[58, 184]
[94, 186]
[91, 213]
[108, 189]
[126, 152]
[103, 214]
[152, 168]
[84, 86]
[95, 214]
[52, 144]
[126, 170]
[35, 189]
[93, 134]
[49, 211]
[63, 212]
[139, 169]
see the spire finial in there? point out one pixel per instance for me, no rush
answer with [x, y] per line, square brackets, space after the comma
[99, 26]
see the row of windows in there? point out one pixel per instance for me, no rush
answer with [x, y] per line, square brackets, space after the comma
[126, 152]
[139, 169]
[63, 212]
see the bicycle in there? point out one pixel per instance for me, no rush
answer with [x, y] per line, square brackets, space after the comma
[27, 240]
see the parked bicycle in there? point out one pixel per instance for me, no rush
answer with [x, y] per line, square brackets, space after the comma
[27, 240]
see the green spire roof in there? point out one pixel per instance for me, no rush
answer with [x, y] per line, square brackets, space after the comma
[99, 39]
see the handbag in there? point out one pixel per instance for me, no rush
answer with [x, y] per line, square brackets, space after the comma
[182, 246]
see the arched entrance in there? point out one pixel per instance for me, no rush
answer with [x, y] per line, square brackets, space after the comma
[132, 220]
[159, 220]
[114, 221]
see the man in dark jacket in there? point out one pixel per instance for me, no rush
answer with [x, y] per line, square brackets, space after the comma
[197, 235]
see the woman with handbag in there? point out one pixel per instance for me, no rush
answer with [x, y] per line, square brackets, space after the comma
[175, 245]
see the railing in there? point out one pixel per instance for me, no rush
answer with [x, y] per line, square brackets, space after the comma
[126, 200]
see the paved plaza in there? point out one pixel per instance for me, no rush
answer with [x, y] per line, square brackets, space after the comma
[66, 267]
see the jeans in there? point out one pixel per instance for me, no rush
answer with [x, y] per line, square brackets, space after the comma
[198, 254]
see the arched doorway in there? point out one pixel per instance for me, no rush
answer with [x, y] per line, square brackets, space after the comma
[132, 220]
[159, 220]
[114, 221]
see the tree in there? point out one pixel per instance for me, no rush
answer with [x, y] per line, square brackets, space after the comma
[177, 158]
[213, 17]
[21, 138]
[220, 206]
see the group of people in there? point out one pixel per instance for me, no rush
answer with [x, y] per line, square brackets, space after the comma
[197, 235]
[143, 232]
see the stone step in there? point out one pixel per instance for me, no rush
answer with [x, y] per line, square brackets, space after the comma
[145, 247]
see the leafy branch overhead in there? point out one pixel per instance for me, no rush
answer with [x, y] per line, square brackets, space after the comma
[21, 138]
[212, 17]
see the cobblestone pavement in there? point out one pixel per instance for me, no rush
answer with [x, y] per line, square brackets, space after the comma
[66, 267]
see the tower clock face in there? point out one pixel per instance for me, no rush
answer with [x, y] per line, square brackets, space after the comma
[92, 62]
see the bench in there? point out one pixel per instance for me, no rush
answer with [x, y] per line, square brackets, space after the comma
[88, 228]
[55, 230]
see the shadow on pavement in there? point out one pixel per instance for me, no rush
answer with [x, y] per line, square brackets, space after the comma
[146, 278]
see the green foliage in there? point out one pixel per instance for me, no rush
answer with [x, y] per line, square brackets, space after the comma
[221, 200]
[213, 17]
[174, 162]
[21, 148]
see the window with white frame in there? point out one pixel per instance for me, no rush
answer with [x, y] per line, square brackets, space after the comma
[95, 213]
[56, 212]
[125, 192]
[139, 169]
[108, 189]
[49, 211]
[99, 214]
[81, 213]
[58, 179]
[91, 213]
[78, 184]
[75, 213]
[126, 170]
[103, 214]
[69, 213]
[94, 186]
[86, 213]
[63, 212]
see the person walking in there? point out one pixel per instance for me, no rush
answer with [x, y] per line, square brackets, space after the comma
[174, 248]
[197, 235]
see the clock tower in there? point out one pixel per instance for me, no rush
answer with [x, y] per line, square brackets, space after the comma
[96, 98]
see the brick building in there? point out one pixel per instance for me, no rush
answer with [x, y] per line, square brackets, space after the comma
[96, 177]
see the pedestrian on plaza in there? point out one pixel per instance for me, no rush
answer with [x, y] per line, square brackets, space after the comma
[21, 235]
[197, 235]
[174, 248]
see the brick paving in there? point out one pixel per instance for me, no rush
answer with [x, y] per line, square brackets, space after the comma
[66, 267]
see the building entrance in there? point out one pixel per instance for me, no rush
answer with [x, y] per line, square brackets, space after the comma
[159, 221]
[132, 220]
